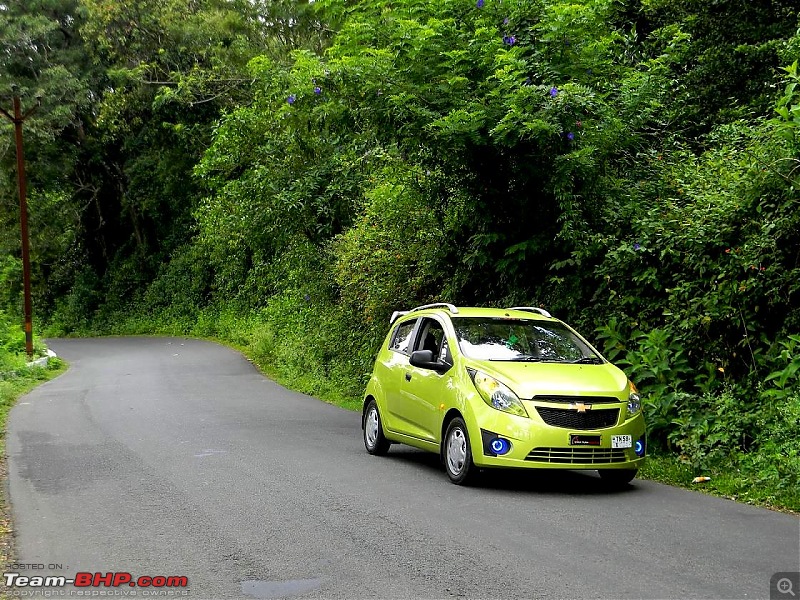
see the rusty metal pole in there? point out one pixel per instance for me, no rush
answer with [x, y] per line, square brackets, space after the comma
[23, 224]
[18, 119]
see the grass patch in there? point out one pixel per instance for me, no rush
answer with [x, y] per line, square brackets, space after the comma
[727, 481]
[21, 382]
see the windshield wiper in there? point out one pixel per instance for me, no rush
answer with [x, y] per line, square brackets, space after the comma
[588, 360]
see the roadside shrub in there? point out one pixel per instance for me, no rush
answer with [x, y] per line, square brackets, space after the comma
[10, 283]
[182, 286]
[776, 463]
[392, 255]
[711, 429]
[783, 383]
[658, 366]
[310, 345]
[75, 312]
[12, 338]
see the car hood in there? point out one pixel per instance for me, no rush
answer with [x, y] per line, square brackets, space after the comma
[531, 379]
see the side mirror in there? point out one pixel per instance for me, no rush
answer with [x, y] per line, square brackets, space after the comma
[424, 360]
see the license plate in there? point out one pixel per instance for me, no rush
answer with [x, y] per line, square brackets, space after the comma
[621, 441]
[584, 440]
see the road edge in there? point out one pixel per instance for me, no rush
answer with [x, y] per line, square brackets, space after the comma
[7, 531]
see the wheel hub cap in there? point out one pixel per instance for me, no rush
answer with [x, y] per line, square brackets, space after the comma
[371, 427]
[456, 451]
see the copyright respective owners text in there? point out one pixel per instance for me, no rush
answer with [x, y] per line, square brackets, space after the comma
[785, 586]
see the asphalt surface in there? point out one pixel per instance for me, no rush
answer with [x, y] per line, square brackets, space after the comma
[176, 457]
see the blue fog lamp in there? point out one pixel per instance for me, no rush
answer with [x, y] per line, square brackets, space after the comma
[639, 447]
[494, 444]
[500, 446]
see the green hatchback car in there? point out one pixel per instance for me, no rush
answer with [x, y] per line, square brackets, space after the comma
[501, 388]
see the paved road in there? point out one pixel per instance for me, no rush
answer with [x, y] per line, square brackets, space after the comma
[176, 457]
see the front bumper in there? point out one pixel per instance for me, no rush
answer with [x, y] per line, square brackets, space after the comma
[536, 445]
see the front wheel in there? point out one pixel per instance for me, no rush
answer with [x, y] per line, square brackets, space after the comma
[458, 453]
[374, 440]
[617, 477]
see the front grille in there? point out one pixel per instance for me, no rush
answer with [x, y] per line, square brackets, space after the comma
[572, 419]
[567, 456]
[577, 399]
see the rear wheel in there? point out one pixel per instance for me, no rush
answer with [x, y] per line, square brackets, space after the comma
[374, 440]
[617, 476]
[457, 453]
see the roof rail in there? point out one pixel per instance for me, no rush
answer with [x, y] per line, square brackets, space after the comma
[533, 309]
[446, 305]
[400, 313]
[396, 315]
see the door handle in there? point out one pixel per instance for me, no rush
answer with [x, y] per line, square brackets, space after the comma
[408, 376]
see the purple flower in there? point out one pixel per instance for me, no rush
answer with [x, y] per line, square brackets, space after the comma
[570, 136]
[317, 90]
[291, 99]
[510, 40]
[479, 3]
[505, 21]
[553, 92]
[307, 298]
[637, 246]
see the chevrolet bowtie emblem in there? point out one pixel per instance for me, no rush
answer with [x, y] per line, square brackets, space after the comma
[581, 407]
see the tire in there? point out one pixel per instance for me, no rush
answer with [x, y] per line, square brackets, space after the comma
[374, 440]
[457, 453]
[617, 477]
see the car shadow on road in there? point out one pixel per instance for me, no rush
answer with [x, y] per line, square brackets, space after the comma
[534, 481]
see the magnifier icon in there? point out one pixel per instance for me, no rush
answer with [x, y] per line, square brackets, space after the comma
[785, 586]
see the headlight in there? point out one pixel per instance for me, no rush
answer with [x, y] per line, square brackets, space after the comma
[497, 395]
[634, 401]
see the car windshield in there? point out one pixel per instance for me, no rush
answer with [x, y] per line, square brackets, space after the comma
[525, 340]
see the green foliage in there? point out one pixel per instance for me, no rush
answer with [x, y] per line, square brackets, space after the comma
[726, 65]
[12, 349]
[776, 464]
[708, 429]
[76, 311]
[182, 287]
[785, 379]
[12, 344]
[392, 256]
[788, 106]
[10, 283]
[659, 366]
[296, 339]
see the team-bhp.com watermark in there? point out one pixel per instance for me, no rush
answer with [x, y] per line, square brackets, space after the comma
[85, 584]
